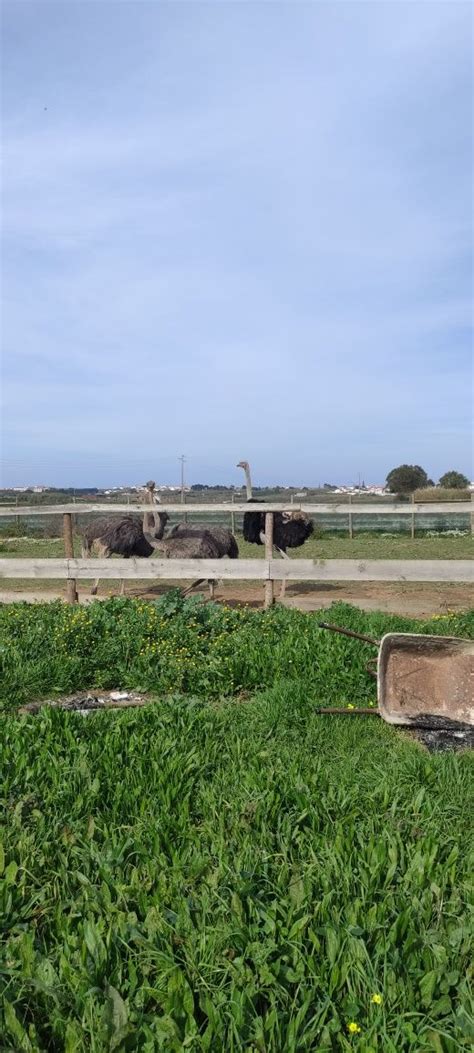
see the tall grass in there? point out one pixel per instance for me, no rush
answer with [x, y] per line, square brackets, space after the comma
[173, 645]
[441, 493]
[246, 877]
[221, 871]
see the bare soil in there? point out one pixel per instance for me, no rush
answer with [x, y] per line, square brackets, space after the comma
[412, 599]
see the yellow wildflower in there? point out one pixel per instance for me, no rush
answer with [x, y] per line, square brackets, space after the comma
[377, 999]
[350, 705]
[353, 1028]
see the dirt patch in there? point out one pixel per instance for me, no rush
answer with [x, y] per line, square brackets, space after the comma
[89, 702]
[412, 599]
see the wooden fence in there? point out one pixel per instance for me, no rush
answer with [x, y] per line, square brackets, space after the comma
[267, 570]
[338, 508]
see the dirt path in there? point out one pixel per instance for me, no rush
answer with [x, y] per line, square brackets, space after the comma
[415, 600]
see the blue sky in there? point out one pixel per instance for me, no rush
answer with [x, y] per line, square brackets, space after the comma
[235, 230]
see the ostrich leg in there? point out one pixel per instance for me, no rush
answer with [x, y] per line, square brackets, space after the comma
[283, 555]
[193, 586]
[102, 552]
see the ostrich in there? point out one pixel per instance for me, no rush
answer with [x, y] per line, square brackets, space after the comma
[129, 537]
[223, 537]
[124, 537]
[190, 542]
[290, 529]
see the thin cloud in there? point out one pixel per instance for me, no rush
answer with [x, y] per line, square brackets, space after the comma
[245, 226]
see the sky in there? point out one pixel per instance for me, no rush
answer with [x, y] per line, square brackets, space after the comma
[235, 230]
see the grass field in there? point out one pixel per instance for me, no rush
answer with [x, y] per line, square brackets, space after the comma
[225, 869]
[370, 546]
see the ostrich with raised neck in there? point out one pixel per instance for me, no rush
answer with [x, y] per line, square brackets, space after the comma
[129, 537]
[126, 537]
[290, 529]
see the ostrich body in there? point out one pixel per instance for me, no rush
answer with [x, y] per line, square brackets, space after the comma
[126, 537]
[222, 536]
[290, 529]
[185, 543]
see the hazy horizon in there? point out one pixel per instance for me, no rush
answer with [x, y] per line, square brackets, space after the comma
[236, 231]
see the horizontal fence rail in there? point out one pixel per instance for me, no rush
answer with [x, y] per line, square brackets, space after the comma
[440, 570]
[339, 508]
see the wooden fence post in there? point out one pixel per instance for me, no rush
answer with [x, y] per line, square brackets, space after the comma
[351, 529]
[71, 591]
[269, 594]
[413, 518]
[232, 517]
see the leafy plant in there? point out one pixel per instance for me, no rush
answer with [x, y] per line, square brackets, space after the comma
[225, 869]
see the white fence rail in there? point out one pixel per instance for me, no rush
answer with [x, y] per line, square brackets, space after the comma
[441, 570]
[338, 508]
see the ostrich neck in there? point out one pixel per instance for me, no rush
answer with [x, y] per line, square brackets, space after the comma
[248, 482]
[153, 522]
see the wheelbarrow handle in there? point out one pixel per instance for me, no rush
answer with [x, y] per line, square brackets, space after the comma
[349, 632]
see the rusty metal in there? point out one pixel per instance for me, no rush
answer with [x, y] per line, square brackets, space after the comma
[349, 632]
[424, 682]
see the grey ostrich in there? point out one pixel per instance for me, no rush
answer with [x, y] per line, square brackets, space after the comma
[222, 536]
[290, 529]
[109, 536]
[184, 544]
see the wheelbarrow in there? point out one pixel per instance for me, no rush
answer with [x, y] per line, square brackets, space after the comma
[422, 681]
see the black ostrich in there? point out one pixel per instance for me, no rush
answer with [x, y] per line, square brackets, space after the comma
[290, 529]
[128, 537]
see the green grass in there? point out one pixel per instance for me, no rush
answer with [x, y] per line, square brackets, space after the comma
[191, 647]
[241, 878]
[225, 869]
[368, 546]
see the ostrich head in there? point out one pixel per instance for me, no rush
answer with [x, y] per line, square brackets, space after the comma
[150, 487]
[248, 482]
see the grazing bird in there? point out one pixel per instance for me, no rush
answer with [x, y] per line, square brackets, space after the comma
[290, 529]
[126, 537]
[223, 537]
[190, 545]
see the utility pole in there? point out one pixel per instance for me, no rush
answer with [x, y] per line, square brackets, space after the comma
[183, 461]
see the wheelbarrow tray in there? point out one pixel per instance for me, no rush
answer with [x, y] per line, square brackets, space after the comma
[425, 681]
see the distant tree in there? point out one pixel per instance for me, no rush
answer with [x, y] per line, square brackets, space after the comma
[406, 479]
[454, 481]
